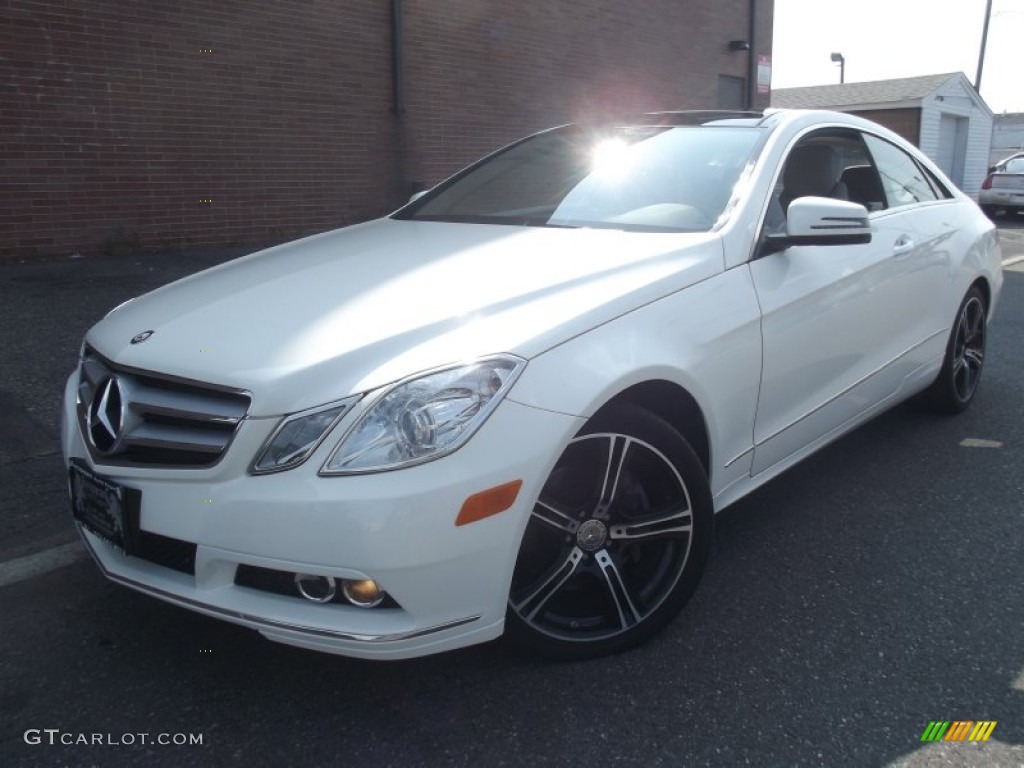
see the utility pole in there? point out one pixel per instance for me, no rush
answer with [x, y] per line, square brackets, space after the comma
[984, 42]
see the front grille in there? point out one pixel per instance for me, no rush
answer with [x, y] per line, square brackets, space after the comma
[138, 418]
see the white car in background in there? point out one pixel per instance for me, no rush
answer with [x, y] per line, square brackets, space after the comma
[1003, 188]
[516, 404]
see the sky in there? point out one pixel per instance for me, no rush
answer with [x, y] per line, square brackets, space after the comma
[883, 39]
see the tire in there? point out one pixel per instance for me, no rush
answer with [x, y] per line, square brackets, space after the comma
[954, 388]
[616, 543]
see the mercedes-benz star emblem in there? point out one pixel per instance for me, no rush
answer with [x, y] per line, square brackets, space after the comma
[591, 535]
[104, 416]
[138, 338]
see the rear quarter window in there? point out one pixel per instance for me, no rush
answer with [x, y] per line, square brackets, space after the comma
[904, 180]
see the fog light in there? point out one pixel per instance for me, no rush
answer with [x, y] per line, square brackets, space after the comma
[364, 593]
[319, 589]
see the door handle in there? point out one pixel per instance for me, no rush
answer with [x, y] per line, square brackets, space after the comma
[904, 244]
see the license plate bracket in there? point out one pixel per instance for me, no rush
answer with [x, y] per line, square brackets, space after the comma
[104, 507]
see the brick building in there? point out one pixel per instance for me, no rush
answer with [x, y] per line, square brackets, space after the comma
[162, 125]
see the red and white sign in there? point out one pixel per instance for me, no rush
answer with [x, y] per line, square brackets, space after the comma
[764, 73]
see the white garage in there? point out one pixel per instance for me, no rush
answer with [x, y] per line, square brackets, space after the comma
[942, 114]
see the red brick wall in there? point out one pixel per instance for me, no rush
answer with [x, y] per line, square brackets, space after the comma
[485, 72]
[114, 118]
[120, 120]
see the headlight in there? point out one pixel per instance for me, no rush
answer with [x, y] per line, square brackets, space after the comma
[424, 418]
[298, 436]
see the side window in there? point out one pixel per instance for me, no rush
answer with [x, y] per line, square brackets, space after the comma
[903, 180]
[940, 189]
[828, 163]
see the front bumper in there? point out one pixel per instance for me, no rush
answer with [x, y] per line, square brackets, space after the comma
[450, 583]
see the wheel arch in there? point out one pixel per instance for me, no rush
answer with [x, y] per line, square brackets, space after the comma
[981, 283]
[673, 403]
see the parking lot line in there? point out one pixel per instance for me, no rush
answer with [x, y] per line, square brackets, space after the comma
[48, 560]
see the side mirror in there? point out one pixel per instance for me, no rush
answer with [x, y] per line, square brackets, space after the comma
[821, 221]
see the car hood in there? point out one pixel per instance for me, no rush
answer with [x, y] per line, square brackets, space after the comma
[351, 310]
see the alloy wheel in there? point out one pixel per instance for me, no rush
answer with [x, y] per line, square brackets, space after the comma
[969, 348]
[607, 541]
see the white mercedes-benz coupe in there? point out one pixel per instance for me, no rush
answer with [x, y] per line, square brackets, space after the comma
[514, 405]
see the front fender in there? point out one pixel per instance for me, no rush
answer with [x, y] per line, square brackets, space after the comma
[705, 338]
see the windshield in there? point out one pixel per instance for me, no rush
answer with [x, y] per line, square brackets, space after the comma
[647, 178]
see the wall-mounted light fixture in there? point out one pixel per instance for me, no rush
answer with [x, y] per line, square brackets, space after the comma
[739, 45]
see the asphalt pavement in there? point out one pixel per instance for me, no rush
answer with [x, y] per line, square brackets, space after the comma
[873, 589]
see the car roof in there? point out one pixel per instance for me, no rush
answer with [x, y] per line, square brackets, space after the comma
[702, 117]
[769, 118]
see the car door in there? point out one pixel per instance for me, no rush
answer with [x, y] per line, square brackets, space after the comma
[838, 328]
[935, 220]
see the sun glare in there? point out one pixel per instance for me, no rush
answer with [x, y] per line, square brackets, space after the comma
[611, 157]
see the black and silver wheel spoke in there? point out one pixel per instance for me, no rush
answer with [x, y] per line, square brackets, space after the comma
[671, 522]
[532, 603]
[973, 358]
[548, 513]
[618, 449]
[975, 325]
[628, 614]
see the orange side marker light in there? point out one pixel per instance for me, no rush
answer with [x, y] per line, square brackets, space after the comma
[489, 502]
